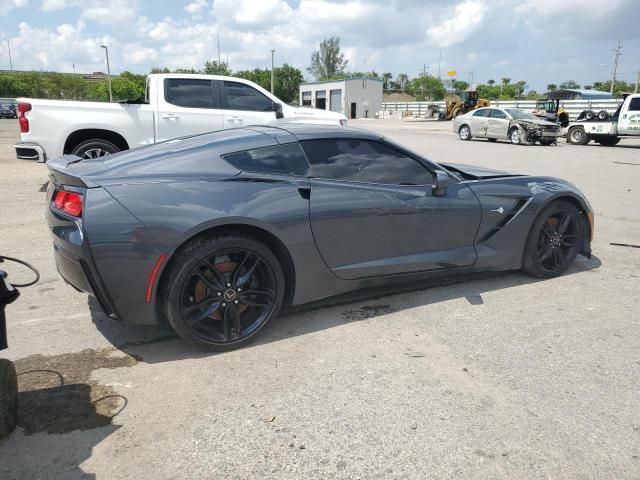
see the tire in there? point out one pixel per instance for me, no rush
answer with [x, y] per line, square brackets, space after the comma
[95, 148]
[603, 115]
[546, 143]
[514, 136]
[589, 115]
[577, 136]
[492, 139]
[552, 246]
[207, 307]
[8, 398]
[465, 133]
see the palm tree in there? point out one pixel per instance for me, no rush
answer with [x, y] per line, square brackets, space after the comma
[402, 80]
[491, 82]
[552, 86]
[386, 77]
[505, 82]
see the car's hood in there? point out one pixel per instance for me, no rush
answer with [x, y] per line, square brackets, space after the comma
[538, 121]
[472, 172]
[312, 115]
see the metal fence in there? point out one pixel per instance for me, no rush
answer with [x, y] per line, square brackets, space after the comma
[573, 107]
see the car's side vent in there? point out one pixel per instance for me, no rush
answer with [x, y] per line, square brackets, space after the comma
[518, 207]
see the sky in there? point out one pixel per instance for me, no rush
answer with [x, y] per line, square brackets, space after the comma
[539, 41]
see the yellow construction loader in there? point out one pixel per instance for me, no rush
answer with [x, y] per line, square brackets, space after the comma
[457, 104]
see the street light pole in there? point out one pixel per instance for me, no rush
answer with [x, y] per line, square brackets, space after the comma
[272, 77]
[106, 51]
[615, 65]
[9, 49]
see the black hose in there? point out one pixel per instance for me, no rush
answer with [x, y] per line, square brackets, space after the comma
[29, 266]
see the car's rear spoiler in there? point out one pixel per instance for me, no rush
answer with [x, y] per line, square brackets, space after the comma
[62, 171]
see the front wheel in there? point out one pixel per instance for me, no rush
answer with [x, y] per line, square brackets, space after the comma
[8, 398]
[465, 132]
[221, 292]
[609, 141]
[515, 137]
[95, 148]
[554, 241]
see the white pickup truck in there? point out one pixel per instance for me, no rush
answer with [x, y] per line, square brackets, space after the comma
[175, 105]
[625, 122]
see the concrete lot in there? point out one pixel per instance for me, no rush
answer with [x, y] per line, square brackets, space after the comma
[494, 377]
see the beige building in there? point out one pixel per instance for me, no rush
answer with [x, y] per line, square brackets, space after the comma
[353, 97]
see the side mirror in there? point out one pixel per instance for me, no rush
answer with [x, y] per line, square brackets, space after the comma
[441, 180]
[277, 107]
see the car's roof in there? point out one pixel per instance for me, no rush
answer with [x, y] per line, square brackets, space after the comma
[307, 131]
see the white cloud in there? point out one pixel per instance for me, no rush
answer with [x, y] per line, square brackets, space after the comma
[465, 19]
[196, 7]
[251, 12]
[7, 5]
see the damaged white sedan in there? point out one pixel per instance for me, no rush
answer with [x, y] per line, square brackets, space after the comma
[517, 126]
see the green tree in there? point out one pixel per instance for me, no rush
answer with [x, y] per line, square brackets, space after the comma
[552, 86]
[570, 84]
[386, 80]
[327, 61]
[287, 82]
[402, 79]
[426, 87]
[532, 95]
[491, 82]
[505, 81]
[123, 89]
[460, 85]
[160, 70]
[211, 67]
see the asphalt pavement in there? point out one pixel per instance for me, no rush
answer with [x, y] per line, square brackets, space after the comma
[500, 376]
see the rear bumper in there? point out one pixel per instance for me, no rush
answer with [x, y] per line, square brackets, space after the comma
[30, 151]
[77, 273]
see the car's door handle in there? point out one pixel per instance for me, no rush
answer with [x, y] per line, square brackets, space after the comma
[234, 119]
[171, 116]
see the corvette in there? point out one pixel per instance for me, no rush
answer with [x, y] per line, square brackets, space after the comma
[214, 234]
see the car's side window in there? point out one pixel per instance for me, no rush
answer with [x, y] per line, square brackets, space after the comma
[244, 97]
[286, 159]
[482, 113]
[363, 161]
[495, 113]
[190, 93]
[634, 104]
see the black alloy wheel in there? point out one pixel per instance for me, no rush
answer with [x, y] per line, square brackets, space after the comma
[224, 292]
[554, 241]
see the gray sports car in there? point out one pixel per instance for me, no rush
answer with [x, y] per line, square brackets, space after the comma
[213, 234]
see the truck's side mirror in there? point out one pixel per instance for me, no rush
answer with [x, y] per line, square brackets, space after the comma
[441, 180]
[277, 107]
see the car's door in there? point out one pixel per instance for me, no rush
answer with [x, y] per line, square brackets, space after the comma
[629, 120]
[373, 213]
[480, 122]
[244, 105]
[187, 106]
[498, 124]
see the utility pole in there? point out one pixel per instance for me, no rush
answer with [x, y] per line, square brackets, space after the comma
[615, 65]
[439, 62]
[9, 49]
[218, 50]
[424, 80]
[272, 78]
[106, 51]
[637, 82]
[470, 78]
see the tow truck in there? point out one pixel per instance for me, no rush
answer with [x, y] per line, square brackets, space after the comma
[625, 122]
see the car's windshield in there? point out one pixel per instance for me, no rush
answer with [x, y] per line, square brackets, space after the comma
[520, 114]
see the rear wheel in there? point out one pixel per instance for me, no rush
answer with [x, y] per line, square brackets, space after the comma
[95, 148]
[8, 398]
[465, 132]
[554, 241]
[577, 136]
[547, 142]
[220, 292]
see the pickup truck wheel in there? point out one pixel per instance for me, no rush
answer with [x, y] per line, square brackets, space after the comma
[95, 148]
[589, 115]
[8, 398]
[603, 115]
[577, 136]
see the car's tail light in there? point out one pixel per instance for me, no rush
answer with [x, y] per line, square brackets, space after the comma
[22, 119]
[68, 202]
